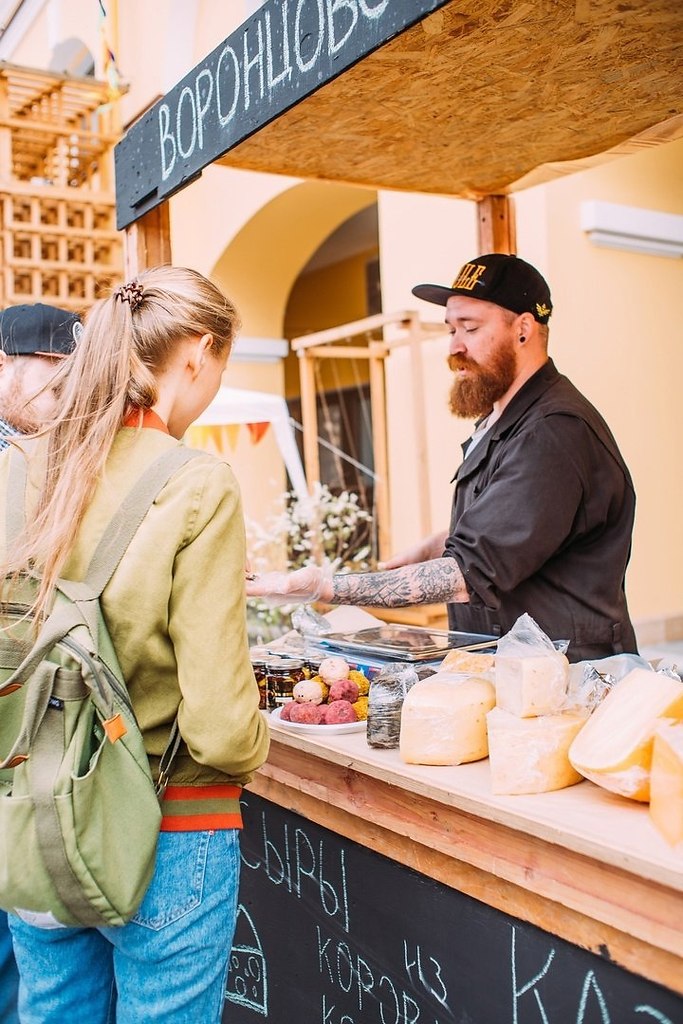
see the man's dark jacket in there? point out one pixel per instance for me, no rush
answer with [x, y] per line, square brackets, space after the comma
[542, 520]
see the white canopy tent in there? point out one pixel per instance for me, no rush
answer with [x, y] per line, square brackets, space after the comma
[234, 405]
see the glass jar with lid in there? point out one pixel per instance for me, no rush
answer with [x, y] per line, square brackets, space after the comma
[282, 675]
[259, 657]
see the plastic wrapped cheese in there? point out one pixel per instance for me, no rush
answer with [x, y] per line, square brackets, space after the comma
[530, 755]
[531, 686]
[614, 749]
[443, 720]
[666, 782]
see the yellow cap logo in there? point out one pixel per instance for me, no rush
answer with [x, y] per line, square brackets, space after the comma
[542, 309]
[468, 276]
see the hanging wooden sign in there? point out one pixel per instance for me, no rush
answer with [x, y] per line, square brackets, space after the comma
[284, 52]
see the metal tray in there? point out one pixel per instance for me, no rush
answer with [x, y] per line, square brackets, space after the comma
[406, 643]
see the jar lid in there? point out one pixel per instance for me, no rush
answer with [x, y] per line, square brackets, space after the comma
[284, 664]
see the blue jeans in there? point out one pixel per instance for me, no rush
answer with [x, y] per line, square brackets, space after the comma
[9, 977]
[169, 964]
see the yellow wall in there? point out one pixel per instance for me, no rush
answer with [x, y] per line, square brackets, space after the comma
[323, 298]
[616, 332]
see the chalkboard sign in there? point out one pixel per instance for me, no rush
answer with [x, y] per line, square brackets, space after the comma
[329, 932]
[282, 53]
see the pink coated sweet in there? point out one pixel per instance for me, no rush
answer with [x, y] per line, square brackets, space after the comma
[339, 713]
[286, 710]
[305, 714]
[344, 689]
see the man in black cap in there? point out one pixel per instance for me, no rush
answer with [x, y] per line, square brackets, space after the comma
[544, 505]
[34, 339]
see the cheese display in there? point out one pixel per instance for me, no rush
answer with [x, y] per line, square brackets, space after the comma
[530, 755]
[614, 749]
[443, 720]
[468, 661]
[666, 782]
[531, 686]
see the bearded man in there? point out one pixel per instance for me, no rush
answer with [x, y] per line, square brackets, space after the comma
[544, 504]
[34, 339]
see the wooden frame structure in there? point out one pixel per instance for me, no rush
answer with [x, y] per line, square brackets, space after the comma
[403, 328]
[57, 207]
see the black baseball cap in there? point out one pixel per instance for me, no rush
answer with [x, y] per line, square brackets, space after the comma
[505, 280]
[38, 330]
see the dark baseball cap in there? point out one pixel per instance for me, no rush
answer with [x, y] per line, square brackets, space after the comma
[38, 330]
[505, 280]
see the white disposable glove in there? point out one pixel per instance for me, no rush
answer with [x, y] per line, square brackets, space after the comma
[303, 586]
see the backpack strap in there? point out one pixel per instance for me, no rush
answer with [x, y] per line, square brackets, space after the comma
[125, 523]
[111, 549]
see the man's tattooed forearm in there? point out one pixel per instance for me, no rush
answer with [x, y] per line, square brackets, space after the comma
[430, 582]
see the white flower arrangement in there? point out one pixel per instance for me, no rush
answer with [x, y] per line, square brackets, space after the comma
[322, 528]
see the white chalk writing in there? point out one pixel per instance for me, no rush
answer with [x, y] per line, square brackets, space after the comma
[251, 70]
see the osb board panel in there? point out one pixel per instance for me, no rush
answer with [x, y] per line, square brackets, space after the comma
[482, 93]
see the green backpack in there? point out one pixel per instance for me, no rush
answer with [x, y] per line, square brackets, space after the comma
[79, 811]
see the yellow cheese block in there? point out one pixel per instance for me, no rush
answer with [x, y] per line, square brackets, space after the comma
[443, 720]
[527, 687]
[614, 749]
[666, 782]
[529, 755]
[468, 661]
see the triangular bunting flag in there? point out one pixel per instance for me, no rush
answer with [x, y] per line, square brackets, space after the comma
[257, 430]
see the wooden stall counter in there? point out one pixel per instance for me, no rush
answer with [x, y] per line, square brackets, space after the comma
[580, 863]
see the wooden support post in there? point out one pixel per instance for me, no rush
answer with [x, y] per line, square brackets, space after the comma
[378, 409]
[148, 241]
[309, 419]
[496, 224]
[420, 428]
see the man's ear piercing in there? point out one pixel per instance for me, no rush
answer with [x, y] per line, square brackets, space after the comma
[522, 339]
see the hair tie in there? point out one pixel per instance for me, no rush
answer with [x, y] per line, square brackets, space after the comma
[132, 293]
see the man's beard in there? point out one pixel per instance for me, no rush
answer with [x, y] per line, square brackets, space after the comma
[472, 395]
[17, 411]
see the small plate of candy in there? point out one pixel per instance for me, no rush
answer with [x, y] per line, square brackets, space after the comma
[334, 701]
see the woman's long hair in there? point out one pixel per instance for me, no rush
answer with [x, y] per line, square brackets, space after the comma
[127, 340]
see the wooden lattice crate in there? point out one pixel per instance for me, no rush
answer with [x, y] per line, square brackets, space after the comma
[59, 244]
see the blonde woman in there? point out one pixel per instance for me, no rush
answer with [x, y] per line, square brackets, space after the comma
[149, 362]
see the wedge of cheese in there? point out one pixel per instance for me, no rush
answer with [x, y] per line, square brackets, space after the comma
[527, 687]
[468, 661]
[666, 782]
[530, 755]
[614, 749]
[443, 720]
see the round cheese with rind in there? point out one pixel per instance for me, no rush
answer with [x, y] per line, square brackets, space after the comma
[443, 720]
[614, 749]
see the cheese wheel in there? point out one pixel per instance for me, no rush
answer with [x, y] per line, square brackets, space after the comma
[614, 749]
[443, 720]
[666, 782]
[530, 755]
[532, 686]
